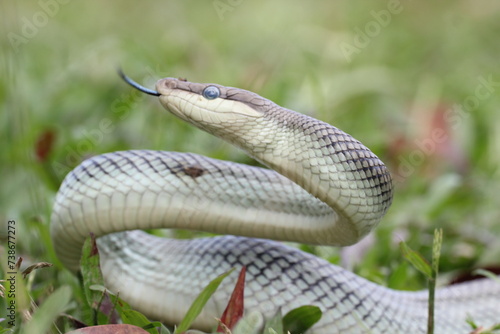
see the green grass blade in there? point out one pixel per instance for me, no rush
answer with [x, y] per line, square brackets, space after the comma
[436, 250]
[47, 313]
[200, 302]
[436, 253]
[488, 274]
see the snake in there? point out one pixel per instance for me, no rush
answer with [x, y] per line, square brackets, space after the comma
[321, 187]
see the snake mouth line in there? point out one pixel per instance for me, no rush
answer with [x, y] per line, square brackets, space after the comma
[136, 85]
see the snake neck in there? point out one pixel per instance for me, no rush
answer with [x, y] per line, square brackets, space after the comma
[325, 161]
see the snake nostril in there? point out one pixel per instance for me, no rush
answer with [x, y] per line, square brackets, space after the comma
[170, 83]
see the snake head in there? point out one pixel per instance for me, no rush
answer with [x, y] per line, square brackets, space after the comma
[235, 115]
[208, 104]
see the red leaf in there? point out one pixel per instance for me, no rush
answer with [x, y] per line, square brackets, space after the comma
[234, 310]
[44, 144]
[94, 250]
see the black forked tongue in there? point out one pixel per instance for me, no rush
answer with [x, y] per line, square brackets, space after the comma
[136, 85]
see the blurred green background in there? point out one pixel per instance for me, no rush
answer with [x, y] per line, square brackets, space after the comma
[417, 82]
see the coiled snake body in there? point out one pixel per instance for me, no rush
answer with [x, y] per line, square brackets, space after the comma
[324, 188]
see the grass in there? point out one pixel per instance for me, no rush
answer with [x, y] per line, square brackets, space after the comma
[398, 92]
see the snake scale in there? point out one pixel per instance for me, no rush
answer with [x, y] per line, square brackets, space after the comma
[323, 187]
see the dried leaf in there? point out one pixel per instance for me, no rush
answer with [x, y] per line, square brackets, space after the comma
[36, 266]
[234, 310]
[44, 144]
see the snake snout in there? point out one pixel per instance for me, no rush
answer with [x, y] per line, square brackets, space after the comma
[166, 83]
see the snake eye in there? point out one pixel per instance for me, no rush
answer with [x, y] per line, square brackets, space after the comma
[211, 92]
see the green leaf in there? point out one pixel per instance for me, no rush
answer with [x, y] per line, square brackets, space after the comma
[130, 316]
[249, 324]
[91, 272]
[416, 260]
[274, 325]
[471, 322]
[301, 319]
[138, 319]
[399, 276]
[157, 324]
[50, 309]
[200, 302]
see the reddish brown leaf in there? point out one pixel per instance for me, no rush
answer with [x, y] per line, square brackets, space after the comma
[234, 310]
[110, 329]
[94, 250]
[44, 144]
